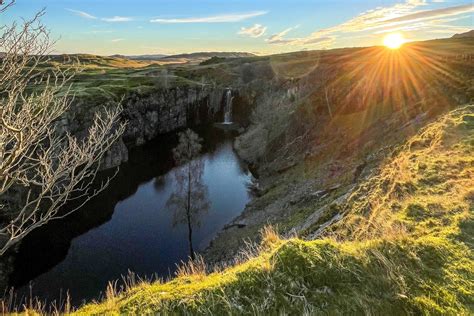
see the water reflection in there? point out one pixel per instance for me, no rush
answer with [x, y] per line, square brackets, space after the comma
[129, 227]
[190, 199]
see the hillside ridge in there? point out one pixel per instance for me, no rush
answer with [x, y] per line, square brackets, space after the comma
[464, 35]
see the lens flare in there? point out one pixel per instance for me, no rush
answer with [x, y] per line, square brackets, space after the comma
[394, 40]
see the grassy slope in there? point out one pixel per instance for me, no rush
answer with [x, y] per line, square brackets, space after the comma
[405, 245]
[103, 78]
[110, 78]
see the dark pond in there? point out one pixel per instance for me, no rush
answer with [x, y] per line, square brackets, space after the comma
[129, 226]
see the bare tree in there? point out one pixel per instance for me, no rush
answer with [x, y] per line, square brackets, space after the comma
[190, 198]
[41, 168]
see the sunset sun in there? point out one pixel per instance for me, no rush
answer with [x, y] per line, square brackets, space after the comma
[394, 40]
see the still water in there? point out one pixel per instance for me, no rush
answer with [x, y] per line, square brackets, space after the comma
[129, 226]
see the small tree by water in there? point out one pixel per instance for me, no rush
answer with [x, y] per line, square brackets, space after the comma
[190, 199]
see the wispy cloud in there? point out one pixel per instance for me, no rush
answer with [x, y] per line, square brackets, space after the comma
[83, 14]
[86, 15]
[411, 21]
[321, 41]
[405, 16]
[278, 38]
[431, 14]
[254, 31]
[100, 31]
[449, 29]
[440, 26]
[222, 18]
[116, 40]
[118, 19]
[369, 19]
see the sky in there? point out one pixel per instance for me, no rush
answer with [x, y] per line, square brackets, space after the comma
[107, 27]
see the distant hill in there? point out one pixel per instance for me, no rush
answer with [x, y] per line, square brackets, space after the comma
[464, 35]
[182, 57]
[91, 60]
[192, 58]
[141, 57]
[139, 61]
[205, 55]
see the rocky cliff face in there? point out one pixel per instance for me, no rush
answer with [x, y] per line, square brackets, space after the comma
[166, 110]
[149, 115]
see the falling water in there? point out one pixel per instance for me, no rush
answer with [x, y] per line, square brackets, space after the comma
[228, 107]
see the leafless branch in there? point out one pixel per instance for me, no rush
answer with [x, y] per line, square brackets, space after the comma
[46, 168]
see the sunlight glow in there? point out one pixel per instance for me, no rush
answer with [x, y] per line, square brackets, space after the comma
[394, 40]
[383, 80]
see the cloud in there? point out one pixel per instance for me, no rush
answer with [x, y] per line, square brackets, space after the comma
[83, 14]
[254, 31]
[223, 18]
[410, 21]
[118, 19]
[449, 30]
[86, 15]
[278, 38]
[116, 40]
[322, 41]
[431, 14]
[100, 31]
[372, 18]
[396, 15]
[431, 26]
[405, 16]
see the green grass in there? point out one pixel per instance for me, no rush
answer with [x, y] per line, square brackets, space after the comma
[108, 79]
[405, 246]
[407, 276]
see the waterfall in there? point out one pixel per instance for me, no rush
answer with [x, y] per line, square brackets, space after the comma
[228, 107]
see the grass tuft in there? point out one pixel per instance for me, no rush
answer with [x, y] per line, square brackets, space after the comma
[195, 268]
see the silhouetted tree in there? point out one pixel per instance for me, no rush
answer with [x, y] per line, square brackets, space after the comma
[190, 198]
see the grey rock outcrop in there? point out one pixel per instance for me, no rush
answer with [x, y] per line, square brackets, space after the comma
[166, 110]
[147, 116]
